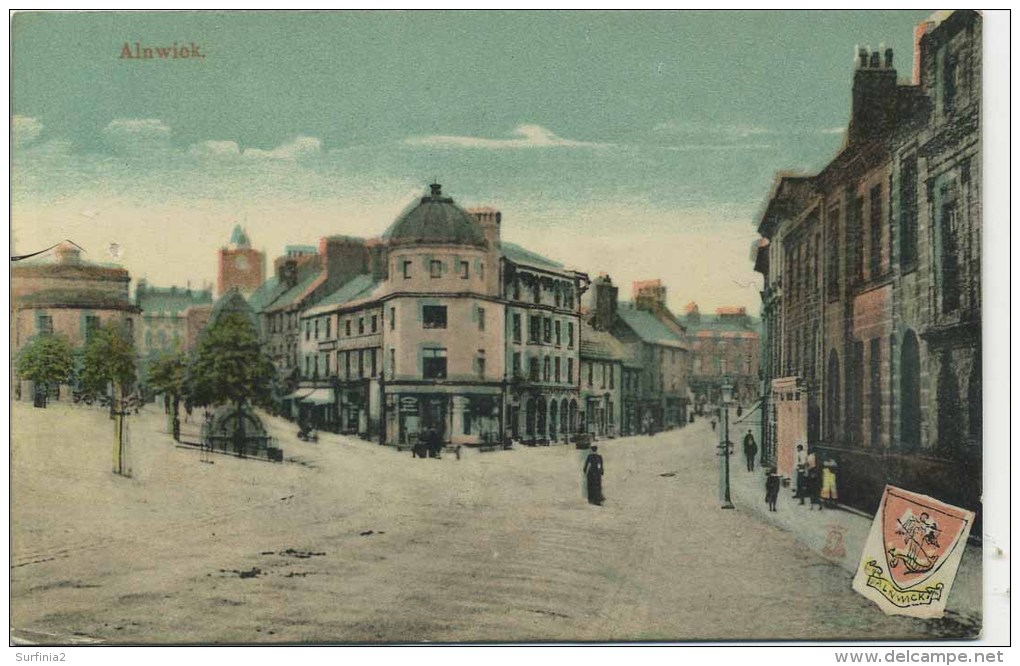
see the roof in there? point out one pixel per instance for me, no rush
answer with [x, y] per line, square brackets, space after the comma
[267, 292]
[85, 299]
[295, 293]
[436, 220]
[600, 345]
[230, 302]
[519, 255]
[708, 325]
[356, 287]
[648, 327]
[170, 300]
[239, 238]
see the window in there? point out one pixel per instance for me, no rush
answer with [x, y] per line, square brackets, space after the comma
[570, 371]
[329, 326]
[948, 237]
[481, 319]
[570, 334]
[536, 292]
[433, 363]
[464, 270]
[315, 367]
[375, 323]
[481, 270]
[347, 328]
[374, 360]
[546, 369]
[832, 253]
[547, 329]
[308, 366]
[559, 339]
[556, 295]
[908, 212]
[875, 257]
[316, 329]
[407, 269]
[361, 325]
[480, 364]
[393, 318]
[602, 367]
[612, 377]
[517, 364]
[393, 362]
[534, 329]
[533, 368]
[856, 227]
[308, 329]
[91, 326]
[591, 374]
[517, 328]
[435, 268]
[557, 369]
[433, 316]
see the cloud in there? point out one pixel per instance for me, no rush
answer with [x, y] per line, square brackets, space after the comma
[25, 129]
[525, 136]
[214, 149]
[683, 128]
[138, 135]
[299, 146]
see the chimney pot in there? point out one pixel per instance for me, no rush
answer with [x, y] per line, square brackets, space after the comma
[888, 58]
[862, 58]
[876, 61]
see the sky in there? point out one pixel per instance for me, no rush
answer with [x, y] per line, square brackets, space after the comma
[639, 144]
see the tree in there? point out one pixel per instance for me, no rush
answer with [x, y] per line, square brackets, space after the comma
[167, 375]
[46, 359]
[229, 364]
[109, 358]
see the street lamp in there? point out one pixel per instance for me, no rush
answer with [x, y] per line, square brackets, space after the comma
[724, 444]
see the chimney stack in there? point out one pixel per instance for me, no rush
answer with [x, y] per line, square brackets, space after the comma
[490, 220]
[606, 295]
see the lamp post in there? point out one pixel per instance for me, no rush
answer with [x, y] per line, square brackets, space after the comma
[724, 444]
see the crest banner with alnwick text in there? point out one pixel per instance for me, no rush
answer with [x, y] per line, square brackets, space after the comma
[912, 553]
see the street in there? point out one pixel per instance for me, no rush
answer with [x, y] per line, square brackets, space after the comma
[349, 541]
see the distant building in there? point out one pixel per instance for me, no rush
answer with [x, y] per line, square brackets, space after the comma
[64, 295]
[164, 320]
[725, 347]
[240, 266]
[872, 299]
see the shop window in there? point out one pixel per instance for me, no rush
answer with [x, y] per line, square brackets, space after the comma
[433, 316]
[434, 363]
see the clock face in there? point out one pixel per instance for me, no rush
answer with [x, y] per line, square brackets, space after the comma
[241, 262]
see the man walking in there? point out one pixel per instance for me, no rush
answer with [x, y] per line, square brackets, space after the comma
[593, 471]
[801, 461]
[750, 450]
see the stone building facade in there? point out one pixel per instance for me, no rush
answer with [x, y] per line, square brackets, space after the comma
[872, 296]
[65, 295]
[163, 322]
[725, 347]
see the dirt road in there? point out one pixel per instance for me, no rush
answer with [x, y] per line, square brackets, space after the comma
[353, 542]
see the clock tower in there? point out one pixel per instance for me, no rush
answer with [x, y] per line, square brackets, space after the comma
[240, 266]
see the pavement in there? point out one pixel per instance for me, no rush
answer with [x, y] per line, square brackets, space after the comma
[838, 535]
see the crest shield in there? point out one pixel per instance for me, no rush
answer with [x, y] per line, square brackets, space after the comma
[912, 553]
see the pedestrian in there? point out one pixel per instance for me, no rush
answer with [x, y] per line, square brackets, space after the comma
[801, 462]
[713, 425]
[771, 488]
[420, 447]
[593, 471]
[750, 450]
[814, 480]
[435, 443]
[829, 494]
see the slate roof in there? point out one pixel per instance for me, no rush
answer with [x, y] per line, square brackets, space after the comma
[357, 287]
[172, 300]
[519, 255]
[266, 294]
[600, 345]
[436, 220]
[75, 298]
[230, 302]
[648, 327]
[296, 292]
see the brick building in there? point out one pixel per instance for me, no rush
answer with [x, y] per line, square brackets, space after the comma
[872, 296]
[725, 346]
[240, 266]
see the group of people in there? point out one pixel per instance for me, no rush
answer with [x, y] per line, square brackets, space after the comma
[815, 482]
[428, 445]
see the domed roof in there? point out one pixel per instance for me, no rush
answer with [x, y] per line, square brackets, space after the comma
[436, 220]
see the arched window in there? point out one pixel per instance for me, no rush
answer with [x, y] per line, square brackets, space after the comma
[573, 416]
[910, 392]
[529, 417]
[553, 418]
[540, 417]
[564, 419]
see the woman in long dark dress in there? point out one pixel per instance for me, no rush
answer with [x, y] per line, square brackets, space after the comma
[593, 470]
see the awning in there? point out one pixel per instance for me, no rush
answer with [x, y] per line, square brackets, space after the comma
[322, 396]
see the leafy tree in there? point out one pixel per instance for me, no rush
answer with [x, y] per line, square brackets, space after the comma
[229, 365]
[167, 375]
[109, 358]
[46, 359]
